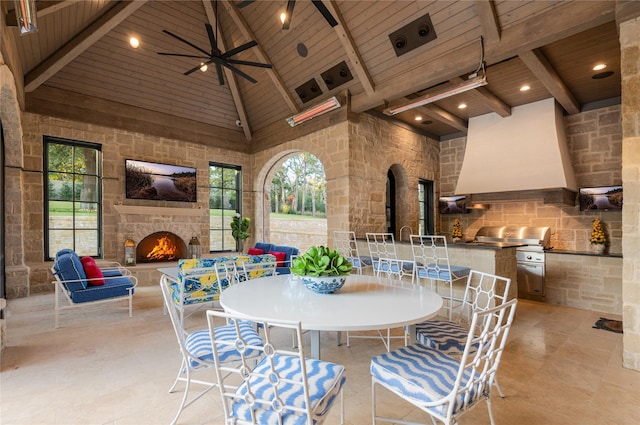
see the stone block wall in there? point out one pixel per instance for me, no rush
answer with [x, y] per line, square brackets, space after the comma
[117, 145]
[594, 139]
[584, 281]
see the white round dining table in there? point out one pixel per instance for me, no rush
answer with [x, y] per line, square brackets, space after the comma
[363, 303]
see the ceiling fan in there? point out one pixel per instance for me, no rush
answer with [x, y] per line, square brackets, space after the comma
[215, 56]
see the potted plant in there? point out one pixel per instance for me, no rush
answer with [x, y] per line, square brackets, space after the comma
[456, 231]
[598, 239]
[321, 269]
[240, 230]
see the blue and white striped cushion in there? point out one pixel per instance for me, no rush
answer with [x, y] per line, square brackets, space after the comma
[421, 374]
[440, 272]
[198, 343]
[325, 380]
[442, 335]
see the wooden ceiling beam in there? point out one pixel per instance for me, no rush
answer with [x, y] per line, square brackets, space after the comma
[488, 17]
[262, 55]
[81, 42]
[556, 24]
[229, 75]
[437, 113]
[344, 35]
[490, 100]
[544, 72]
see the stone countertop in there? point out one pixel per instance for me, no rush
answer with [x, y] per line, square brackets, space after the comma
[590, 253]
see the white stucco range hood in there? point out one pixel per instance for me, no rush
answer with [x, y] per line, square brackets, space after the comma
[523, 152]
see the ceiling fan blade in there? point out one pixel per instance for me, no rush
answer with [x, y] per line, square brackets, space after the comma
[248, 63]
[287, 19]
[244, 3]
[183, 56]
[325, 12]
[239, 49]
[220, 76]
[186, 42]
[212, 40]
[194, 69]
[224, 63]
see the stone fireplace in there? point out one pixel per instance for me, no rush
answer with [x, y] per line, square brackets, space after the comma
[159, 231]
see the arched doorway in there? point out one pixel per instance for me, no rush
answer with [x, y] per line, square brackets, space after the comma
[295, 201]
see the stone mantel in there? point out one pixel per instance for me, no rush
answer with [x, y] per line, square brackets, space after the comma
[157, 211]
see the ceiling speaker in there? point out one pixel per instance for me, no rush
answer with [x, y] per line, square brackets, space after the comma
[413, 35]
[337, 75]
[309, 90]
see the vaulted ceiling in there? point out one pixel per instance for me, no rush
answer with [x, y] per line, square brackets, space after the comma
[80, 60]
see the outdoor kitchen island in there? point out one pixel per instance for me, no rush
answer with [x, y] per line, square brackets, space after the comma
[498, 260]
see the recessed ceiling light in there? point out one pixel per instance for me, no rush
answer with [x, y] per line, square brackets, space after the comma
[525, 88]
[600, 67]
[418, 118]
[462, 106]
[134, 42]
[203, 67]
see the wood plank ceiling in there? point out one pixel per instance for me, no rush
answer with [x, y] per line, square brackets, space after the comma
[80, 56]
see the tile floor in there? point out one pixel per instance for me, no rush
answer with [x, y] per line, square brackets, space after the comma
[102, 367]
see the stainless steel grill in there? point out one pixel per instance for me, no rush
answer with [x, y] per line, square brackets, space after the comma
[531, 244]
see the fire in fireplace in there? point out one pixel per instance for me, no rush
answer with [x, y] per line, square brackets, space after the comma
[161, 246]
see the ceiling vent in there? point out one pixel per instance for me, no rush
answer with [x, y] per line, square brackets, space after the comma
[413, 35]
[337, 76]
[309, 90]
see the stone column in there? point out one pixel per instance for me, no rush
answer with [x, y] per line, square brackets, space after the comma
[16, 272]
[630, 70]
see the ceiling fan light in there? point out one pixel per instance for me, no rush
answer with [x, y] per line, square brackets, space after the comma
[283, 17]
[203, 67]
[319, 109]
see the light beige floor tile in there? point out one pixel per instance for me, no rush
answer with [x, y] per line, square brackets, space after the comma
[102, 367]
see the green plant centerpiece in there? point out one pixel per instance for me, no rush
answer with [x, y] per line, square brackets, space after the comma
[321, 269]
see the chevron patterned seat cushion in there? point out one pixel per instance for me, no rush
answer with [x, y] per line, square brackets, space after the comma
[393, 266]
[440, 272]
[199, 343]
[325, 381]
[421, 374]
[442, 335]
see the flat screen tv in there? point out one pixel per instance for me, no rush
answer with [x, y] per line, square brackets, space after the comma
[452, 205]
[605, 198]
[159, 182]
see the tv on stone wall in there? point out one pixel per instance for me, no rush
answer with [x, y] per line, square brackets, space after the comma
[159, 182]
[605, 198]
[452, 205]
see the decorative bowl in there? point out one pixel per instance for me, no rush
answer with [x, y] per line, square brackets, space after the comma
[323, 284]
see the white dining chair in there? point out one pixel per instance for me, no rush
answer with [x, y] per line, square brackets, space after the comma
[347, 245]
[284, 387]
[382, 247]
[196, 349]
[386, 263]
[440, 385]
[431, 257]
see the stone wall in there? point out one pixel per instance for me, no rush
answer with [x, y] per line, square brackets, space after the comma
[146, 216]
[594, 139]
[301, 233]
[630, 66]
